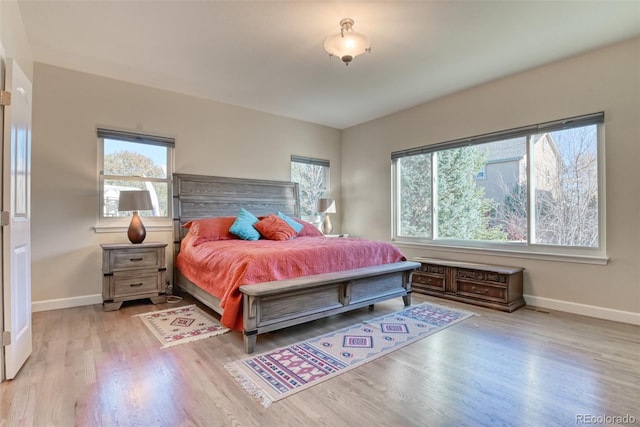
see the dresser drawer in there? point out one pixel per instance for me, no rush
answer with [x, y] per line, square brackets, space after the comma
[482, 276]
[431, 269]
[419, 280]
[136, 259]
[123, 284]
[481, 290]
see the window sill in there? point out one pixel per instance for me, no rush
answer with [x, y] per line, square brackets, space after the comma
[124, 228]
[510, 253]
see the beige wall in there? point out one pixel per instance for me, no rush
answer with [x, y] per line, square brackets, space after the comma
[211, 138]
[13, 38]
[605, 80]
[214, 138]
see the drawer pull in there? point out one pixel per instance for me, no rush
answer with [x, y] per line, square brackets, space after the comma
[135, 285]
[473, 288]
[135, 259]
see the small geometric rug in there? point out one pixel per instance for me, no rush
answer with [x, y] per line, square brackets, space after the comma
[277, 374]
[182, 324]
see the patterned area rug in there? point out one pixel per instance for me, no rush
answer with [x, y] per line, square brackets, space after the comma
[277, 374]
[181, 324]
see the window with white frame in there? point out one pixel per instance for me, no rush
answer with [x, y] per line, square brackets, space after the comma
[130, 161]
[312, 176]
[541, 189]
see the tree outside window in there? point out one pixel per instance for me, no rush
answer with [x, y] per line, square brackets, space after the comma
[134, 165]
[536, 189]
[312, 176]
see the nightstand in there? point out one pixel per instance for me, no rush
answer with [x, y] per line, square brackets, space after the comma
[336, 235]
[133, 271]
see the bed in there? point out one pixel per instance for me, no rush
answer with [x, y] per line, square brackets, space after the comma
[292, 299]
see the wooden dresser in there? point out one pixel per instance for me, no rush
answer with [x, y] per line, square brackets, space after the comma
[486, 285]
[133, 271]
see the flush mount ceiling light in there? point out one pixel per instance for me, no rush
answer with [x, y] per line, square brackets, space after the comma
[348, 44]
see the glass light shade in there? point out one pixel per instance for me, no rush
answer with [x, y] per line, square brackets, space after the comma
[347, 44]
[352, 44]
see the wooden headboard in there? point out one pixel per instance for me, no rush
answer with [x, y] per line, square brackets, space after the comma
[201, 196]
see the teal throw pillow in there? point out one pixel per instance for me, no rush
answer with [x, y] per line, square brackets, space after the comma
[293, 223]
[243, 226]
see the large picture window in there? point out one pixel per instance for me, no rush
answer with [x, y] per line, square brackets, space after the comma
[130, 161]
[537, 188]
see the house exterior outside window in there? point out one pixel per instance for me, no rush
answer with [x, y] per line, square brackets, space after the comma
[533, 189]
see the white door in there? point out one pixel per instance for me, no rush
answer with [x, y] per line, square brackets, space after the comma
[16, 211]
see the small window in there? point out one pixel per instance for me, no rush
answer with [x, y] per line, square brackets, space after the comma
[312, 176]
[131, 161]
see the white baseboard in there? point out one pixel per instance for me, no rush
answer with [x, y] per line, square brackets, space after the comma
[551, 304]
[55, 304]
[583, 309]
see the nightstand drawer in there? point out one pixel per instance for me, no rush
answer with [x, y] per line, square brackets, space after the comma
[124, 284]
[136, 259]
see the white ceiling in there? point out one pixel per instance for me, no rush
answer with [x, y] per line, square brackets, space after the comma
[268, 55]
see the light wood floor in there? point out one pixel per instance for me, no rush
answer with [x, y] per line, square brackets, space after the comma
[527, 368]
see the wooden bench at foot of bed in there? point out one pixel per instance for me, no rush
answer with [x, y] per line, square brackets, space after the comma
[275, 305]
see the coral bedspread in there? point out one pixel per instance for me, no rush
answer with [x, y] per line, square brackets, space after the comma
[221, 267]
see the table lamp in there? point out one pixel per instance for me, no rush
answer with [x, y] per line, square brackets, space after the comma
[326, 207]
[139, 200]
